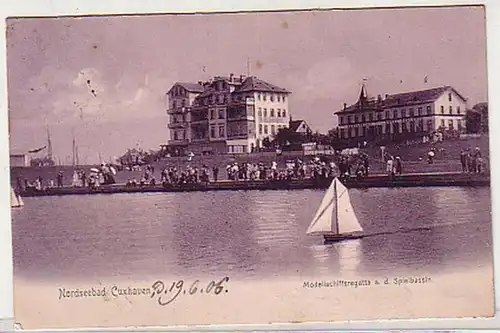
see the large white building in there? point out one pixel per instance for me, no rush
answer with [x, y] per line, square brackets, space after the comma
[423, 111]
[227, 114]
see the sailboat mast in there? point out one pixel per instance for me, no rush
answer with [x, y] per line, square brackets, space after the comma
[49, 144]
[335, 217]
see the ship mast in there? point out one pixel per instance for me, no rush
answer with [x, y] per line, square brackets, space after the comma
[49, 144]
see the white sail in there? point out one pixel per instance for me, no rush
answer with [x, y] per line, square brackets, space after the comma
[335, 214]
[15, 200]
[324, 220]
[347, 220]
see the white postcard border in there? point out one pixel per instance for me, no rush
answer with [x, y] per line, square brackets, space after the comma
[89, 7]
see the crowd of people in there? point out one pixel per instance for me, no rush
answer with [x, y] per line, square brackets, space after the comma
[472, 161]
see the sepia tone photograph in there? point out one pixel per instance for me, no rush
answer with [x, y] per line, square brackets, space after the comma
[250, 168]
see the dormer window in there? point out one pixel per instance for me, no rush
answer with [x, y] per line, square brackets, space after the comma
[449, 97]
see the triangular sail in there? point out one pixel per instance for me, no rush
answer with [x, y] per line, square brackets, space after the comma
[348, 222]
[15, 200]
[335, 214]
[325, 218]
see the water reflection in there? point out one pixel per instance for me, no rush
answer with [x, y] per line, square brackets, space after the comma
[248, 234]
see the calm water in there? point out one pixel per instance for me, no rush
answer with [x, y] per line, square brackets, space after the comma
[247, 234]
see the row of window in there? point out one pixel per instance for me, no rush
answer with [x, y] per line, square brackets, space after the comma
[221, 132]
[397, 128]
[262, 96]
[395, 114]
[280, 113]
[264, 129]
[179, 135]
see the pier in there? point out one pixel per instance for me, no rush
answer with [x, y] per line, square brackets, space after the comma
[442, 179]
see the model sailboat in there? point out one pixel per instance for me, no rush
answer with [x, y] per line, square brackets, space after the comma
[335, 218]
[15, 199]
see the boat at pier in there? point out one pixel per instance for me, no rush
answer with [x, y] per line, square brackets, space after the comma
[335, 218]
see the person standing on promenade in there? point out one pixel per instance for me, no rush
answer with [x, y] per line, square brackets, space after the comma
[478, 160]
[215, 172]
[463, 160]
[390, 166]
[399, 166]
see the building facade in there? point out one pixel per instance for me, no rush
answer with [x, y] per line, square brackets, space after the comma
[19, 160]
[226, 114]
[424, 112]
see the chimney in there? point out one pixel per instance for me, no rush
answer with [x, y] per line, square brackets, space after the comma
[345, 106]
[231, 77]
[379, 97]
[200, 83]
[242, 77]
[386, 96]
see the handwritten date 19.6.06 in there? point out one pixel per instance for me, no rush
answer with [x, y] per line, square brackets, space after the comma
[166, 294]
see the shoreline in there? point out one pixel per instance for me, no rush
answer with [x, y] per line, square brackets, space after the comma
[441, 179]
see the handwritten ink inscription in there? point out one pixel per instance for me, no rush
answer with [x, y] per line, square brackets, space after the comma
[165, 294]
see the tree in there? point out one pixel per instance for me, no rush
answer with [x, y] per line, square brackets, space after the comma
[472, 121]
[482, 109]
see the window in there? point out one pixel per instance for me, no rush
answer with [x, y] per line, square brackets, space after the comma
[284, 113]
[260, 128]
[212, 131]
[395, 114]
[428, 108]
[458, 109]
[258, 96]
[221, 114]
[265, 113]
[356, 131]
[183, 102]
[265, 129]
[271, 97]
[264, 97]
[379, 115]
[349, 119]
[341, 120]
[363, 118]
[403, 113]
[395, 127]
[430, 125]
[451, 110]
[370, 116]
[412, 113]
[278, 113]
[278, 97]
[459, 125]
[174, 104]
[272, 112]
[449, 97]
[356, 118]
[260, 112]
[450, 124]
[342, 133]
[421, 125]
[412, 126]
[176, 137]
[222, 132]
[387, 114]
[442, 122]
[403, 127]
[273, 129]
[387, 128]
[212, 114]
[442, 109]
[283, 98]
[420, 111]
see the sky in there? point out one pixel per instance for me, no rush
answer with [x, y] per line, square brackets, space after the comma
[103, 79]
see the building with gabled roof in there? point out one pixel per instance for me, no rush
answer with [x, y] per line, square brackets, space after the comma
[419, 112]
[226, 114]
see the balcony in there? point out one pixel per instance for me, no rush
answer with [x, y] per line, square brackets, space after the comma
[178, 110]
[177, 125]
[178, 142]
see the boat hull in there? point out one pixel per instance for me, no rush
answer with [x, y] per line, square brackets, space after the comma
[335, 238]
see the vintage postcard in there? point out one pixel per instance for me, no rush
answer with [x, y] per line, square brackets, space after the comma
[250, 168]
